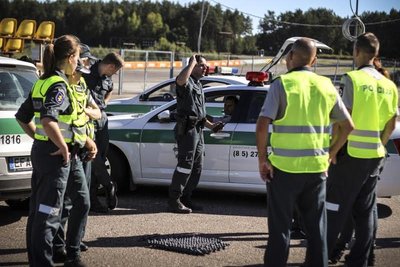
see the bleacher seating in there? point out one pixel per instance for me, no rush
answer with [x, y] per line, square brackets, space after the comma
[12, 39]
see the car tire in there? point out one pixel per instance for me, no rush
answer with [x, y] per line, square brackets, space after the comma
[18, 204]
[118, 169]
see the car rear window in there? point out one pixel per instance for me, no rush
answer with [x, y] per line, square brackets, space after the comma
[15, 85]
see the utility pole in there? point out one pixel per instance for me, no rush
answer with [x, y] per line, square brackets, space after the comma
[201, 26]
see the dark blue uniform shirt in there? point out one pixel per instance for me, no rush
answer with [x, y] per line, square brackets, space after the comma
[99, 85]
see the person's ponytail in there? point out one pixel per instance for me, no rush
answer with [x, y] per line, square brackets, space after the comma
[49, 61]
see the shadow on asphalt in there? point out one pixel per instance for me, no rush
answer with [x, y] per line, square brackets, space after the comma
[9, 215]
[153, 199]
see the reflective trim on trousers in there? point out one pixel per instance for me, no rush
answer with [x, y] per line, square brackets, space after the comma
[300, 129]
[331, 206]
[183, 170]
[299, 152]
[357, 144]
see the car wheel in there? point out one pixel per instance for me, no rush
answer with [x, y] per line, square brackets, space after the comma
[18, 204]
[117, 167]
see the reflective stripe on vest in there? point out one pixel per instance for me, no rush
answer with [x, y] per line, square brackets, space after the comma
[374, 103]
[39, 91]
[300, 140]
[80, 93]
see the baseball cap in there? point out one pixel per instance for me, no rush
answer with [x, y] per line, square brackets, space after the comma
[81, 68]
[85, 52]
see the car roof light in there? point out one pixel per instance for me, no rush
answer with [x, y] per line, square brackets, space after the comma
[257, 76]
[226, 70]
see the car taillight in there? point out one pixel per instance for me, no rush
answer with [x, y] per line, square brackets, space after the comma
[256, 76]
[396, 143]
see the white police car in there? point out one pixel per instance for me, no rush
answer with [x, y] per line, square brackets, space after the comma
[163, 92]
[16, 81]
[143, 149]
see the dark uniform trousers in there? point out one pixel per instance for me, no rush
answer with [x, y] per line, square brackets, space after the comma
[75, 209]
[351, 191]
[100, 174]
[284, 192]
[49, 183]
[190, 163]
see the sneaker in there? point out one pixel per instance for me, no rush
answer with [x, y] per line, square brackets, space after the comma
[83, 246]
[60, 255]
[188, 203]
[77, 262]
[176, 206]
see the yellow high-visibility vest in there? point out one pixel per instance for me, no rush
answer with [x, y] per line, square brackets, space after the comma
[39, 91]
[300, 139]
[374, 104]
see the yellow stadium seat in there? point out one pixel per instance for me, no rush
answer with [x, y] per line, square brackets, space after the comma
[2, 41]
[13, 45]
[26, 29]
[8, 27]
[45, 32]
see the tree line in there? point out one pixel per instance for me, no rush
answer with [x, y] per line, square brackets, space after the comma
[171, 26]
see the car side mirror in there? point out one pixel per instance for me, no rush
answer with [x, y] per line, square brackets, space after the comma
[164, 116]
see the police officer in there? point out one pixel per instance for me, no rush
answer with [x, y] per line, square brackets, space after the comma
[53, 151]
[191, 119]
[100, 85]
[372, 101]
[300, 105]
[83, 128]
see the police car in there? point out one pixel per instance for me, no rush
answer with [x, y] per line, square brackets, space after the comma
[163, 92]
[16, 81]
[143, 149]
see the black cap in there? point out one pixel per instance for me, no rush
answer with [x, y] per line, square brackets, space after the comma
[81, 68]
[85, 52]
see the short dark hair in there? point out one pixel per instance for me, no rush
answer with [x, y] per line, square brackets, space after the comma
[114, 59]
[231, 97]
[368, 43]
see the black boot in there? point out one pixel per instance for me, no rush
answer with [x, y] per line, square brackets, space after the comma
[111, 194]
[59, 255]
[83, 246]
[176, 206]
[371, 257]
[188, 203]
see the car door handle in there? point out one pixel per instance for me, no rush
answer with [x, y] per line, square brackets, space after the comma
[220, 135]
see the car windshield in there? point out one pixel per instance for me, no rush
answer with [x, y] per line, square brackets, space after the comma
[15, 86]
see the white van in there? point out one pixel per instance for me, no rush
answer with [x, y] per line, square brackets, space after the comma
[16, 80]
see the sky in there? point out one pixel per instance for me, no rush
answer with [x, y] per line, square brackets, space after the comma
[258, 8]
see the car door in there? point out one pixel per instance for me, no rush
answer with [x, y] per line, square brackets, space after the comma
[243, 150]
[158, 147]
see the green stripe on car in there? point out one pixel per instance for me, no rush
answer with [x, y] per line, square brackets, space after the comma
[10, 126]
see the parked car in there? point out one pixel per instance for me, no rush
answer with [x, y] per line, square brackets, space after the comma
[162, 93]
[16, 81]
[143, 149]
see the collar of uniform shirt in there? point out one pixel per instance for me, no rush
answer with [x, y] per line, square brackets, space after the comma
[365, 66]
[300, 69]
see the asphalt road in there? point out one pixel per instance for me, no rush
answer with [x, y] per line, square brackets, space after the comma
[116, 239]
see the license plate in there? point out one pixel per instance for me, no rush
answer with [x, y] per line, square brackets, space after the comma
[18, 164]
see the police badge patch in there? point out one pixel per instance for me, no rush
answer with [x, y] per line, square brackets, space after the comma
[59, 98]
[55, 99]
